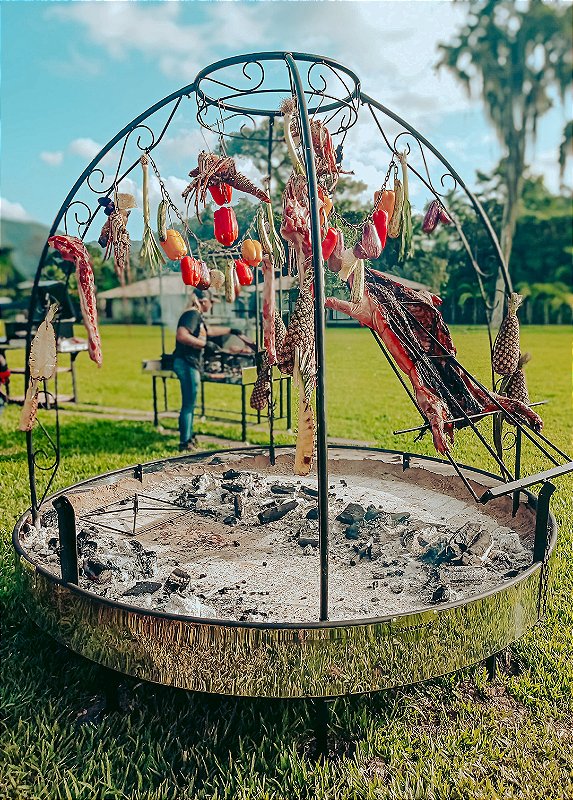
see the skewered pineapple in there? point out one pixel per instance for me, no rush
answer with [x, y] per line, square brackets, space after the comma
[516, 387]
[505, 356]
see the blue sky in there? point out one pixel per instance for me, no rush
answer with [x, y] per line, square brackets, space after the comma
[74, 73]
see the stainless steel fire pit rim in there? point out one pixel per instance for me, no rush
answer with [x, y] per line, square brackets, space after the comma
[25, 561]
[318, 662]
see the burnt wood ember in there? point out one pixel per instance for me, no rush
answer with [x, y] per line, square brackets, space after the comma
[352, 532]
[373, 513]
[276, 512]
[231, 474]
[231, 520]
[238, 504]
[283, 488]
[141, 588]
[304, 541]
[441, 594]
[233, 487]
[364, 548]
[93, 568]
[351, 514]
[178, 581]
[312, 513]
[309, 491]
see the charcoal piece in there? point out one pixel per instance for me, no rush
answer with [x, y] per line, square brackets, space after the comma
[238, 503]
[511, 573]
[54, 544]
[135, 545]
[233, 487]
[283, 488]
[146, 563]
[93, 568]
[178, 581]
[399, 517]
[231, 474]
[351, 514]
[230, 520]
[364, 548]
[141, 588]
[312, 513]
[352, 532]
[276, 512]
[236, 543]
[396, 587]
[304, 541]
[372, 513]
[309, 491]
[441, 594]
[478, 549]
[216, 460]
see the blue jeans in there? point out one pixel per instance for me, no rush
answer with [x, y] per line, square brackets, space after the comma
[190, 379]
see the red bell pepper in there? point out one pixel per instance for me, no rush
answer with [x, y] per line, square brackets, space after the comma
[380, 220]
[329, 243]
[190, 271]
[226, 227]
[244, 272]
[221, 193]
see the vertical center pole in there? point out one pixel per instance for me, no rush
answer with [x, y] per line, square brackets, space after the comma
[321, 431]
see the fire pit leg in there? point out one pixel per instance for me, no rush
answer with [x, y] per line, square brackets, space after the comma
[321, 723]
[68, 543]
[491, 666]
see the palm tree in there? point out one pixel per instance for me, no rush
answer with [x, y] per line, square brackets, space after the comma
[517, 56]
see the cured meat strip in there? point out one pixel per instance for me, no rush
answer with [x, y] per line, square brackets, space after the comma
[73, 249]
[269, 309]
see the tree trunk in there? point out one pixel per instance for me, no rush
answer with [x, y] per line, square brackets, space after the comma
[514, 166]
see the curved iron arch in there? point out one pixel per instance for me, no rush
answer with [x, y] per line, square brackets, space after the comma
[351, 96]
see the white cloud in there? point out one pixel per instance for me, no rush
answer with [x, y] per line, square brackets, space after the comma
[84, 147]
[54, 158]
[13, 211]
[391, 45]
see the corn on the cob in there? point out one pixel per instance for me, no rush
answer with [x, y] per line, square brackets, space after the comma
[505, 357]
[357, 291]
[516, 386]
[395, 224]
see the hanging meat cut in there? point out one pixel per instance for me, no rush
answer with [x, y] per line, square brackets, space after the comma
[418, 339]
[73, 249]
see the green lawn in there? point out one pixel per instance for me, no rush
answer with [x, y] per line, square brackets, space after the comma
[457, 737]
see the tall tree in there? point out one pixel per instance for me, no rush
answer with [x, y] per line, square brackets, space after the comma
[518, 55]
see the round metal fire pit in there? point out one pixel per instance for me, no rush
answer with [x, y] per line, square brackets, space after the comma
[286, 658]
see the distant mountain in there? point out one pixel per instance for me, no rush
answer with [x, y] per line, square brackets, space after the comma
[26, 240]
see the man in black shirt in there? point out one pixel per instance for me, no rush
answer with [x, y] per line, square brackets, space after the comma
[190, 341]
